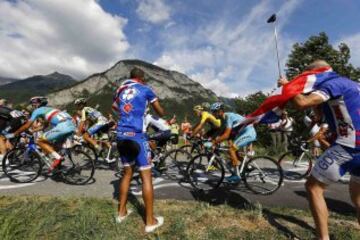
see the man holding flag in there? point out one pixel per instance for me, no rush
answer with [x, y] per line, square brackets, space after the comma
[339, 100]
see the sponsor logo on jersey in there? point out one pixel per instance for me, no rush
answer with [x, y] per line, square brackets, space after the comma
[129, 94]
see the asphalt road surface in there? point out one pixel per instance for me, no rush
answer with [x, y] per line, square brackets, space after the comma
[106, 183]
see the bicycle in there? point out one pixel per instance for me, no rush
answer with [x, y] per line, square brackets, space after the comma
[296, 163]
[171, 163]
[25, 163]
[106, 156]
[261, 174]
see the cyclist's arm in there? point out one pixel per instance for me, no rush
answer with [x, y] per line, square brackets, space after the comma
[223, 137]
[158, 108]
[301, 101]
[198, 128]
[24, 127]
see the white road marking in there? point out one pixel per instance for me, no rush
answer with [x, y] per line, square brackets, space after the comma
[6, 187]
[173, 184]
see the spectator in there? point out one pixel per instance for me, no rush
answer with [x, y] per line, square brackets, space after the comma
[275, 135]
[286, 127]
[132, 143]
[174, 131]
[186, 129]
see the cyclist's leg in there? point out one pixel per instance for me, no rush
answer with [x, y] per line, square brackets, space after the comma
[2, 145]
[329, 168]
[88, 135]
[53, 135]
[233, 154]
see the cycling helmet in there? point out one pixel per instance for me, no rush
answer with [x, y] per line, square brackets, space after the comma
[42, 101]
[80, 101]
[216, 106]
[205, 105]
[198, 108]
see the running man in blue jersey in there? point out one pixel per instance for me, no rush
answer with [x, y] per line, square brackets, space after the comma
[338, 99]
[131, 101]
[238, 137]
[62, 127]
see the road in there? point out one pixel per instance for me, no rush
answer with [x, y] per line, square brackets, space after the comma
[291, 194]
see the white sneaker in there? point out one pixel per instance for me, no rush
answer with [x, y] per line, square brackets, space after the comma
[152, 228]
[120, 219]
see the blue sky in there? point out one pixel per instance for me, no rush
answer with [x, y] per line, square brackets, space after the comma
[225, 45]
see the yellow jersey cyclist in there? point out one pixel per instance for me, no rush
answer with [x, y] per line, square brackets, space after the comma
[206, 118]
[97, 123]
[61, 123]
[238, 137]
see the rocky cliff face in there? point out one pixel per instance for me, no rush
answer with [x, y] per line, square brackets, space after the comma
[169, 85]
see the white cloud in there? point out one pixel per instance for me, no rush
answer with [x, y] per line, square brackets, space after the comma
[240, 47]
[153, 11]
[75, 37]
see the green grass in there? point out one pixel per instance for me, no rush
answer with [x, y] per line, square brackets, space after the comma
[30, 217]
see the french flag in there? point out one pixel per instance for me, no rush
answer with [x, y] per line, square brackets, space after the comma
[271, 109]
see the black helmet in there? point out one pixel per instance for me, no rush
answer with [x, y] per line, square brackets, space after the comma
[42, 101]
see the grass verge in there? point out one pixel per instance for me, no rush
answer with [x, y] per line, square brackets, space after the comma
[40, 217]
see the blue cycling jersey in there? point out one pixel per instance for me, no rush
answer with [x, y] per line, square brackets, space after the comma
[132, 99]
[52, 115]
[232, 120]
[342, 109]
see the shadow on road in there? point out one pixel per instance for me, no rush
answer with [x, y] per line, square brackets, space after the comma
[335, 205]
[222, 196]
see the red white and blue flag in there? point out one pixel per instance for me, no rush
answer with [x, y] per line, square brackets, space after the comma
[270, 110]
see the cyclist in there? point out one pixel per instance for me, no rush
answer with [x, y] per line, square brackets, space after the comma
[206, 117]
[97, 123]
[237, 136]
[131, 100]
[339, 99]
[162, 131]
[10, 121]
[62, 126]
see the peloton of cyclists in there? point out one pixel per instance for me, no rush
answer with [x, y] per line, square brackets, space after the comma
[238, 137]
[61, 123]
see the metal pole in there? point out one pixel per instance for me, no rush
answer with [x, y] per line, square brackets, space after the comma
[277, 50]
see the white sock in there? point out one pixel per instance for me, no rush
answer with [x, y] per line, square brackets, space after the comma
[1, 157]
[55, 155]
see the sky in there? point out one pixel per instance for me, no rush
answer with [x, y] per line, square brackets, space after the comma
[226, 45]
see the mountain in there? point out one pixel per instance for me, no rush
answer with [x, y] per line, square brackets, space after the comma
[177, 92]
[21, 90]
[5, 80]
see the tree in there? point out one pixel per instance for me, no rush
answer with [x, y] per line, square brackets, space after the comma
[318, 47]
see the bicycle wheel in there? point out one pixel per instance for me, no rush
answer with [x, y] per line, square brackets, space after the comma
[189, 148]
[262, 175]
[205, 172]
[21, 166]
[78, 167]
[174, 164]
[296, 168]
